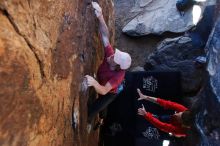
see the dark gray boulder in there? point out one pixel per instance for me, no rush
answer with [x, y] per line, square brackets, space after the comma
[178, 54]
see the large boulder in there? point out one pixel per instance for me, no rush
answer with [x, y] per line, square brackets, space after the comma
[157, 17]
[178, 54]
[46, 48]
[208, 120]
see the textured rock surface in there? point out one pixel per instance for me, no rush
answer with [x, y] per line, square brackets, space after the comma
[46, 48]
[208, 121]
[156, 17]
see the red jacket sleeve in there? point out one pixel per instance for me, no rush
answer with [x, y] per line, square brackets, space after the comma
[171, 105]
[169, 128]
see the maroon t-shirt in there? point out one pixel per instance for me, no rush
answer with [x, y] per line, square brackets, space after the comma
[105, 74]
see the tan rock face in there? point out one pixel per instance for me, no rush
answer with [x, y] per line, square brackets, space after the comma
[46, 48]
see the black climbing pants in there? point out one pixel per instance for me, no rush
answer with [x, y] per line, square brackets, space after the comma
[100, 106]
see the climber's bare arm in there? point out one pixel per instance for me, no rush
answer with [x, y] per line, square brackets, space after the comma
[103, 29]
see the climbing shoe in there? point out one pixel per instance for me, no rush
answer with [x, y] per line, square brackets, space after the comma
[97, 125]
